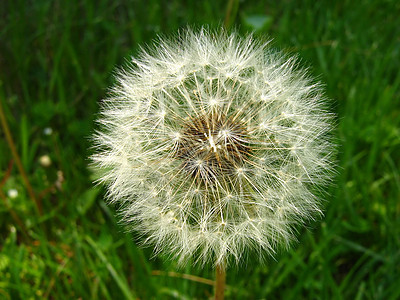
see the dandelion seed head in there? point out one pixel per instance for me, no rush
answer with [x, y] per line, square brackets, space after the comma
[214, 145]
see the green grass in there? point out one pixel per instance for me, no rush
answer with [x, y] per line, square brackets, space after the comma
[56, 62]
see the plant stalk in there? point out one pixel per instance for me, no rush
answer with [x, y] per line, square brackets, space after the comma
[231, 12]
[220, 279]
[17, 159]
[16, 218]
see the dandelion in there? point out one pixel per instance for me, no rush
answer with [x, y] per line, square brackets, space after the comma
[214, 146]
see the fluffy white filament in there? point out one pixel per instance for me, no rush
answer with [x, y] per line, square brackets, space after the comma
[214, 145]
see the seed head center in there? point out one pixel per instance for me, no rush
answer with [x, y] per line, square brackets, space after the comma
[219, 142]
[211, 140]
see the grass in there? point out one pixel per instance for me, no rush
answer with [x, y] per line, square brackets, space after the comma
[56, 62]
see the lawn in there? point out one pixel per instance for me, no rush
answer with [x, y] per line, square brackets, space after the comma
[59, 239]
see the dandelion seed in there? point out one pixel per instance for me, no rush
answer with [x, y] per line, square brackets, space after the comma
[214, 145]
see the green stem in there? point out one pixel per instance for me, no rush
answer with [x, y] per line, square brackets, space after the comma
[17, 160]
[16, 218]
[231, 11]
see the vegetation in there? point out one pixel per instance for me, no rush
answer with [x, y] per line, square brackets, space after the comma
[59, 239]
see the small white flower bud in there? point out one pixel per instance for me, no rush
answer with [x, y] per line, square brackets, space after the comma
[48, 131]
[45, 161]
[12, 193]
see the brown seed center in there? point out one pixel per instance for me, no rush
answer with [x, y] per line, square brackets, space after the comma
[212, 147]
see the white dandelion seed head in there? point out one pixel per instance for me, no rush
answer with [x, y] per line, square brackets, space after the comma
[214, 145]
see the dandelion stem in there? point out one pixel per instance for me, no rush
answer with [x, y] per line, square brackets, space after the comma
[17, 159]
[220, 278]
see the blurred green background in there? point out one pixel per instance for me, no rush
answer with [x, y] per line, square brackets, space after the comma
[57, 60]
